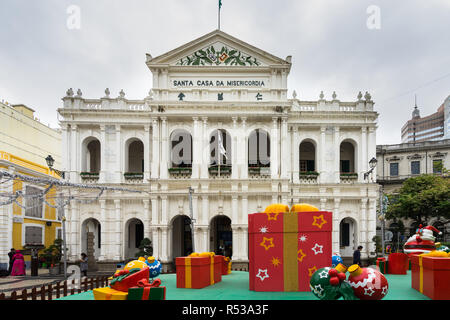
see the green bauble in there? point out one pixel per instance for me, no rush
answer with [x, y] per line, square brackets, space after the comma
[321, 287]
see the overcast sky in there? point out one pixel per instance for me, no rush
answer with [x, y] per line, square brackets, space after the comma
[332, 48]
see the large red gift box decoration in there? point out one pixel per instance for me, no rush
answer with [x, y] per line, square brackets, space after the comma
[286, 248]
[196, 272]
[431, 276]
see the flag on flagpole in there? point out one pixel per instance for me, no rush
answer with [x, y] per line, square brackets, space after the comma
[222, 150]
[220, 4]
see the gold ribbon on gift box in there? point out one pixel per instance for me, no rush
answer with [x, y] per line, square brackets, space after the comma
[290, 251]
[420, 274]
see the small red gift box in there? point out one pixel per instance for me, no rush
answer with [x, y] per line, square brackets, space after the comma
[285, 249]
[431, 276]
[198, 272]
[398, 263]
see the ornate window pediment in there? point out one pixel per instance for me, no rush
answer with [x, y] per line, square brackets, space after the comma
[415, 157]
[394, 158]
[438, 155]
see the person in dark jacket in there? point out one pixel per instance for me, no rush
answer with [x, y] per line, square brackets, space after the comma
[357, 256]
[11, 260]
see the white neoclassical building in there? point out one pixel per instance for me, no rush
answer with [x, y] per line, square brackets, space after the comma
[218, 120]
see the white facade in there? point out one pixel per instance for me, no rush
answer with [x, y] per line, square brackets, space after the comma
[238, 92]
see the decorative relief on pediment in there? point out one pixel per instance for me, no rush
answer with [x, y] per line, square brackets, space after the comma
[218, 55]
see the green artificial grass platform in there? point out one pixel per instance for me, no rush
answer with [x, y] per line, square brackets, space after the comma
[235, 287]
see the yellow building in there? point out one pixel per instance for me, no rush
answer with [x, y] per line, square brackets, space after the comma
[24, 144]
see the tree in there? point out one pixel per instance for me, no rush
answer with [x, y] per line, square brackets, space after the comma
[421, 198]
[145, 248]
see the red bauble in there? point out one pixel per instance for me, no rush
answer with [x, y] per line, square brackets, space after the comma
[367, 283]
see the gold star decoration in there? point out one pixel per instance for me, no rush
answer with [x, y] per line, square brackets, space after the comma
[272, 216]
[267, 243]
[321, 219]
[312, 270]
[276, 262]
[300, 255]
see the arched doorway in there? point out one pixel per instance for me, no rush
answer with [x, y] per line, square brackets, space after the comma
[134, 234]
[221, 236]
[348, 240]
[91, 238]
[181, 236]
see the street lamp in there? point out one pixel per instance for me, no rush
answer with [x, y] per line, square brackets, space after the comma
[372, 164]
[50, 162]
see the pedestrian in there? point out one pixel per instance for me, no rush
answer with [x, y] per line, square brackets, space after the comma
[11, 260]
[84, 264]
[18, 268]
[357, 256]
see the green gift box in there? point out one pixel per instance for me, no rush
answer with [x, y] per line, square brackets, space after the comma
[147, 293]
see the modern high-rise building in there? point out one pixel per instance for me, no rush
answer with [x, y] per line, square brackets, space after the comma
[430, 128]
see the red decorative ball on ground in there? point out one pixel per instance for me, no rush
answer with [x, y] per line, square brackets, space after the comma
[367, 283]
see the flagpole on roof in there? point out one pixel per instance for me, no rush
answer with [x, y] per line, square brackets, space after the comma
[220, 6]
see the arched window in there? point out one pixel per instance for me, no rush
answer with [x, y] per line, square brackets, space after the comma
[347, 157]
[220, 148]
[135, 156]
[259, 149]
[307, 157]
[181, 149]
[91, 155]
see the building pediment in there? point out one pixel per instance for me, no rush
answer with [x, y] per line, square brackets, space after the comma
[217, 49]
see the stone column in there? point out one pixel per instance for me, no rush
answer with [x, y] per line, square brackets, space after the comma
[65, 139]
[155, 243]
[118, 248]
[235, 150]
[335, 234]
[371, 225]
[363, 228]
[75, 225]
[235, 243]
[196, 149]
[119, 155]
[204, 174]
[243, 150]
[103, 170]
[205, 209]
[164, 246]
[274, 149]
[234, 210]
[285, 150]
[322, 152]
[296, 155]
[147, 219]
[147, 169]
[372, 150]
[337, 156]
[164, 147]
[155, 153]
[363, 162]
[244, 252]
[164, 210]
[243, 216]
[104, 240]
[74, 156]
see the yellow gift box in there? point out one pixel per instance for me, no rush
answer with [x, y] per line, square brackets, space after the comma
[109, 294]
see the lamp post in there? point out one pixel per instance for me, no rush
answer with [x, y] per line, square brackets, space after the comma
[372, 164]
[50, 162]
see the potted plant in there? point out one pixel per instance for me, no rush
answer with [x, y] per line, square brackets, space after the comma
[52, 256]
[133, 175]
[145, 248]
